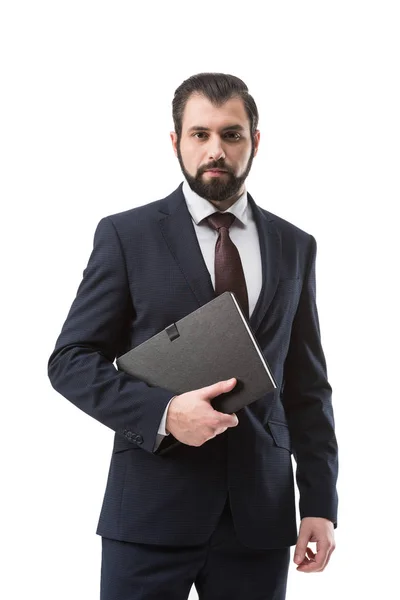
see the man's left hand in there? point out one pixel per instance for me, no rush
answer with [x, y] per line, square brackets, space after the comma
[319, 530]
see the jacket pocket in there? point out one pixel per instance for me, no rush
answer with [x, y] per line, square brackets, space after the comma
[280, 434]
[122, 445]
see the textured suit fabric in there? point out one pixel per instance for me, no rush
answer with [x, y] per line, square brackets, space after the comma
[229, 276]
[221, 569]
[145, 272]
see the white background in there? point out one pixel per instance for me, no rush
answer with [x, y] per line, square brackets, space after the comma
[86, 90]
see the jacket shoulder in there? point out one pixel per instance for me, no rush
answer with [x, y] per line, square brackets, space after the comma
[133, 214]
[286, 228]
[145, 215]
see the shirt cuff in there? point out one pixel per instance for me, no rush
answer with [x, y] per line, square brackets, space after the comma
[161, 429]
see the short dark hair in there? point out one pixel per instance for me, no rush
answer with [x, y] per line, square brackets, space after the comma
[218, 88]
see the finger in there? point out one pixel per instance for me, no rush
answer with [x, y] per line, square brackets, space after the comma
[329, 556]
[309, 557]
[220, 430]
[214, 390]
[310, 554]
[300, 550]
[229, 420]
[304, 563]
[319, 561]
[322, 556]
[225, 420]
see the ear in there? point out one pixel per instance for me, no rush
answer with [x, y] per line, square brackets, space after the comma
[256, 141]
[174, 140]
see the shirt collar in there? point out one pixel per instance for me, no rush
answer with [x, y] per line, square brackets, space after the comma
[200, 208]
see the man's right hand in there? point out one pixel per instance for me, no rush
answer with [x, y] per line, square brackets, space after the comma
[193, 421]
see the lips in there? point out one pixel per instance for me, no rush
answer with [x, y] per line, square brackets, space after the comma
[216, 171]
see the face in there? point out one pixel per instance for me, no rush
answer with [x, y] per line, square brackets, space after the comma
[216, 149]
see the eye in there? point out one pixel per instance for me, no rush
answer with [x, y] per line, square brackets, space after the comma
[233, 136]
[200, 135]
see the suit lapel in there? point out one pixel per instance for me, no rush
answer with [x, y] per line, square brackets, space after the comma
[270, 249]
[178, 231]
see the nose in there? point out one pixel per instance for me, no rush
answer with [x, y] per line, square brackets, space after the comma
[215, 149]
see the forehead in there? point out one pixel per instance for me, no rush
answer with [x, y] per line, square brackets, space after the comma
[199, 111]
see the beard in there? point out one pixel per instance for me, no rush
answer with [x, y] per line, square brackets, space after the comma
[217, 189]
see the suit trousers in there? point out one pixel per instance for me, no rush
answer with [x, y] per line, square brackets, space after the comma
[221, 569]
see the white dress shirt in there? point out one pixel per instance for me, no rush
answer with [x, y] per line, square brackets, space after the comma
[243, 233]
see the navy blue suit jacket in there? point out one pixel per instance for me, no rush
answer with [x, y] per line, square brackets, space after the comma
[145, 272]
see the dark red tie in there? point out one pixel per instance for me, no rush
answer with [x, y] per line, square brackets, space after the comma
[229, 276]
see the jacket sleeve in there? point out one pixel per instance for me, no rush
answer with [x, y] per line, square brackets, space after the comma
[81, 366]
[306, 397]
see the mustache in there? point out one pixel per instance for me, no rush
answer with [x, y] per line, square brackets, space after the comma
[214, 165]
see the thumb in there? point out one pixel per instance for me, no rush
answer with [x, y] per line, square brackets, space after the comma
[212, 391]
[300, 550]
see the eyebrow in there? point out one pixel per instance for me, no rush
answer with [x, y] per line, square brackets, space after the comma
[228, 128]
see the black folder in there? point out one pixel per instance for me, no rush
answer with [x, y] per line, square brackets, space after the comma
[211, 344]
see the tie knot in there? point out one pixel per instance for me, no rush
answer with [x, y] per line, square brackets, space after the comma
[218, 220]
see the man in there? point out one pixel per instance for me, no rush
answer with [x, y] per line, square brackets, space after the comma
[194, 495]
